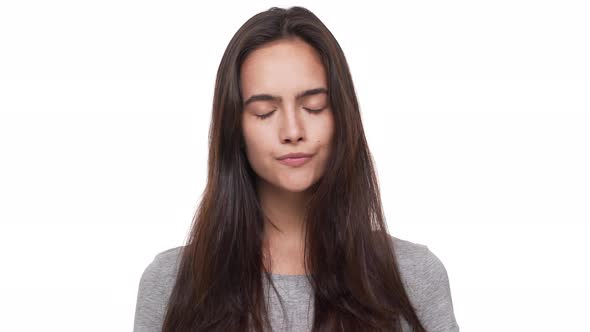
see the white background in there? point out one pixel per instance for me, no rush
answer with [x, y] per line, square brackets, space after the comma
[477, 115]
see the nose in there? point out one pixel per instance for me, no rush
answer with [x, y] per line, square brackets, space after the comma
[292, 128]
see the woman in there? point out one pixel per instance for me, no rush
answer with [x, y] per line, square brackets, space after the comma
[290, 233]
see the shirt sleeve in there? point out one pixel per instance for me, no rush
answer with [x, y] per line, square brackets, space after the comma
[432, 295]
[149, 309]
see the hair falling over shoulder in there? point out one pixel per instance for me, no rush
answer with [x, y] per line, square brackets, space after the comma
[348, 252]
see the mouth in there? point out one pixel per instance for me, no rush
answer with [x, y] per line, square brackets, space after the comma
[295, 161]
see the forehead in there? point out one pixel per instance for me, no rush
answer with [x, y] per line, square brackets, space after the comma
[283, 67]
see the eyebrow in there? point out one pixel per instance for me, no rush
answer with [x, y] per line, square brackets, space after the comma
[267, 97]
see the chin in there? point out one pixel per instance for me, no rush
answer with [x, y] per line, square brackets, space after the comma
[296, 187]
[299, 190]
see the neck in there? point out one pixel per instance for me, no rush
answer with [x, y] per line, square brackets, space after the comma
[285, 209]
[284, 227]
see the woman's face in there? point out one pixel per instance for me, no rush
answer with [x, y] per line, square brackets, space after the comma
[282, 72]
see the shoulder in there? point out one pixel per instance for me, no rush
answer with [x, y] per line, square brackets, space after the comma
[415, 258]
[416, 261]
[427, 284]
[165, 263]
[405, 249]
[155, 287]
[160, 274]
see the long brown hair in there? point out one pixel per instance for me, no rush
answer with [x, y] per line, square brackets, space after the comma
[348, 252]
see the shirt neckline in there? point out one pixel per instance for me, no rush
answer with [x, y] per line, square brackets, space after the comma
[288, 276]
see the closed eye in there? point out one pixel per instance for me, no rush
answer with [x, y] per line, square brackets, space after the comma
[313, 110]
[264, 116]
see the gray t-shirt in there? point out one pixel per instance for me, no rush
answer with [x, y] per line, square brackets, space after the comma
[422, 273]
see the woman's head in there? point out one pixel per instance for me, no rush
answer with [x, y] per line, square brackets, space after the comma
[348, 253]
[286, 109]
[284, 52]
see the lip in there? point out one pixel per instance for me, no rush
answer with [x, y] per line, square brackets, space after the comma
[295, 155]
[295, 159]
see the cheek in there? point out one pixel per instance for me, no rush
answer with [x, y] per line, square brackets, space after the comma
[326, 132]
[256, 146]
